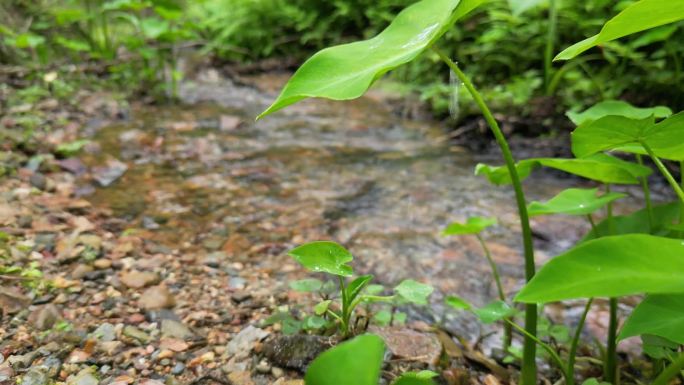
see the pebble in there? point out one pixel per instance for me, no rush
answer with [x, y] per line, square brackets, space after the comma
[263, 367]
[137, 334]
[84, 377]
[45, 317]
[105, 332]
[102, 263]
[81, 271]
[277, 372]
[157, 297]
[35, 376]
[178, 368]
[244, 341]
[38, 181]
[22, 361]
[139, 279]
[175, 329]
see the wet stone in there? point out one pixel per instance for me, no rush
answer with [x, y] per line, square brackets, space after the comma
[175, 329]
[35, 376]
[178, 368]
[295, 351]
[105, 332]
[51, 365]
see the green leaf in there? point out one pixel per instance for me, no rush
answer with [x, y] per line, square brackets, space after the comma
[306, 285]
[665, 138]
[322, 307]
[640, 16]
[474, 225]
[314, 322]
[617, 107]
[610, 267]
[573, 201]
[324, 256]
[661, 315]
[658, 347]
[599, 167]
[346, 71]
[374, 289]
[356, 286]
[355, 362]
[457, 303]
[638, 222]
[414, 292]
[423, 377]
[382, 318]
[494, 311]
[71, 148]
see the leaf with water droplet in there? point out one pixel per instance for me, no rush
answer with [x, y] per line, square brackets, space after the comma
[473, 225]
[324, 256]
[414, 291]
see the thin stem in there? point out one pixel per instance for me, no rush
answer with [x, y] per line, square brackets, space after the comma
[529, 365]
[550, 42]
[552, 352]
[508, 332]
[572, 355]
[681, 204]
[345, 306]
[593, 226]
[671, 371]
[647, 195]
[666, 173]
[610, 363]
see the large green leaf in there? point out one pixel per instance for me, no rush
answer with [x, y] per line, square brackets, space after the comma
[640, 16]
[610, 267]
[355, 362]
[637, 222]
[346, 71]
[617, 107]
[665, 138]
[473, 225]
[573, 201]
[324, 256]
[599, 167]
[661, 315]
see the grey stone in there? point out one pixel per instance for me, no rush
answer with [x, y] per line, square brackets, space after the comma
[105, 332]
[175, 329]
[295, 351]
[137, 334]
[244, 341]
[84, 377]
[35, 376]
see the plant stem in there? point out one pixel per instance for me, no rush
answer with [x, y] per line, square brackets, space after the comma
[610, 363]
[671, 371]
[681, 204]
[666, 173]
[647, 195]
[550, 42]
[344, 317]
[508, 331]
[552, 352]
[593, 226]
[570, 374]
[529, 365]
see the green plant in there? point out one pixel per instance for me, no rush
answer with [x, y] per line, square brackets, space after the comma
[331, 258]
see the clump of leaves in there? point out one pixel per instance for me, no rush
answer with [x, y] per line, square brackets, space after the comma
[337, 308]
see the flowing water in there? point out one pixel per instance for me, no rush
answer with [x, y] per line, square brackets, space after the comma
[354, 172]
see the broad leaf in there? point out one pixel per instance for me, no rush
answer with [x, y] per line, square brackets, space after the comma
[665, 138]
[661, 315]
[473, 225]
[346, 71]
[640, 16]
[356, 286]
[423, 377]
[617, 107]
[638, 222]
[414, 291]
[355, 362]
[574, 201]
[599, 167]
[610, 267]
[324, 256]
[494, 311]
[306, 285]
[322, 307]
[457, 303]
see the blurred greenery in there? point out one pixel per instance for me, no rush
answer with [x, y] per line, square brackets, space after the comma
[137, 45]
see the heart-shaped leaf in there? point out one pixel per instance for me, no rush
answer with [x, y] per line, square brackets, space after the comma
[495, 311]
[665, 139]
[346, 71]
[473, 225]
[414, 291]
[307, 285]
[599, 167]
[355, 362]
[619, 108]
[659, 314]
[610, 267]
[322, 307]
[574, 201]
[324, 256]
[640, 16]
